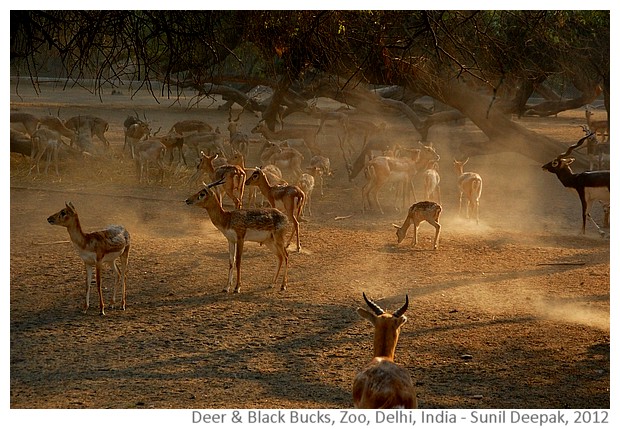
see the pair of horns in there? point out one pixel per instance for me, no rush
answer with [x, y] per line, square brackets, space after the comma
[379, 311]
[574, 146]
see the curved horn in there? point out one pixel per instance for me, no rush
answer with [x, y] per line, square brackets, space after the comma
[374, 307]
[219, 182]
[574, 146]
[402, 309]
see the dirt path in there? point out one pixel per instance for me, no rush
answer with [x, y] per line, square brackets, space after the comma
[511, 313]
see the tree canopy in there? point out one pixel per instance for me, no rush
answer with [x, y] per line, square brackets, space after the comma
[484, 64]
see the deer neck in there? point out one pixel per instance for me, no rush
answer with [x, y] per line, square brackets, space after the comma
[385, 344]
[219, 216]
[76, 234]
[566, 176]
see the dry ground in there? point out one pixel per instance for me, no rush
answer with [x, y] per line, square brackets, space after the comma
[523, 293]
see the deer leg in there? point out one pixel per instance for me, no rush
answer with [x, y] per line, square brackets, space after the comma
[238, 263]
[124, 264]
[585, 211]
[89, 278]
[99, 289]
[232, 247]
[437, 230]
[117, 281]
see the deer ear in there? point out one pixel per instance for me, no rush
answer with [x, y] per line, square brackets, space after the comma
[569, 161]
[367, 315]
[69, 205]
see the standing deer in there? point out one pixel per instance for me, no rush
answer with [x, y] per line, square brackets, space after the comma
[600, 126]
[590, 185]
[291, 196]
[470, 186]
[239, 141]
[135, 133]
[234, 175]
[428, 211]
[431, 182]
[383, 383]
[149, 152]
[44, 141]
[262, 225]
[110, 245]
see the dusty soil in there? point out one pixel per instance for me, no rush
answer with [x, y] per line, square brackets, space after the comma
[510, 313]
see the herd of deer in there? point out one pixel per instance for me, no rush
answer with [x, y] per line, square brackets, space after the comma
[382, 383]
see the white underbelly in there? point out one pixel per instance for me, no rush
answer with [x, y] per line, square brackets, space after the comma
[90, 258]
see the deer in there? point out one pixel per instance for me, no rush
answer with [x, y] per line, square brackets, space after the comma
[432, 190]
[597, 126]
[320, 167]
[306, 184]
[419, 212]
[382, 383]
[470, 186]
[210, 142]
[147, 152]
[190, 126]
[44, 141]
[286, 158]
[262, 225]
[239, 141]
[29, 122]
[56, 124]
[109, 245]
[235, 176]
[239, 159]
[291, 196]
[95, 125]
[338, 116]
[590, 185]
[135, 133]
[308, 135]
[21, 143]
[381, 169]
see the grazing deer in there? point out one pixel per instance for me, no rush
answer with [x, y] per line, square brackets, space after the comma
[234, 175]
[29, 122]
[432, 190]
[55, 123]
[44, 141]
[470, 186]
[20, 143]
[110, 245]
[383, 383]
[262, 225]
[590, 185]
[308, 135]
[428, 211]
[190, 126]
[93, 124]
[291, 197]
[597, 126]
